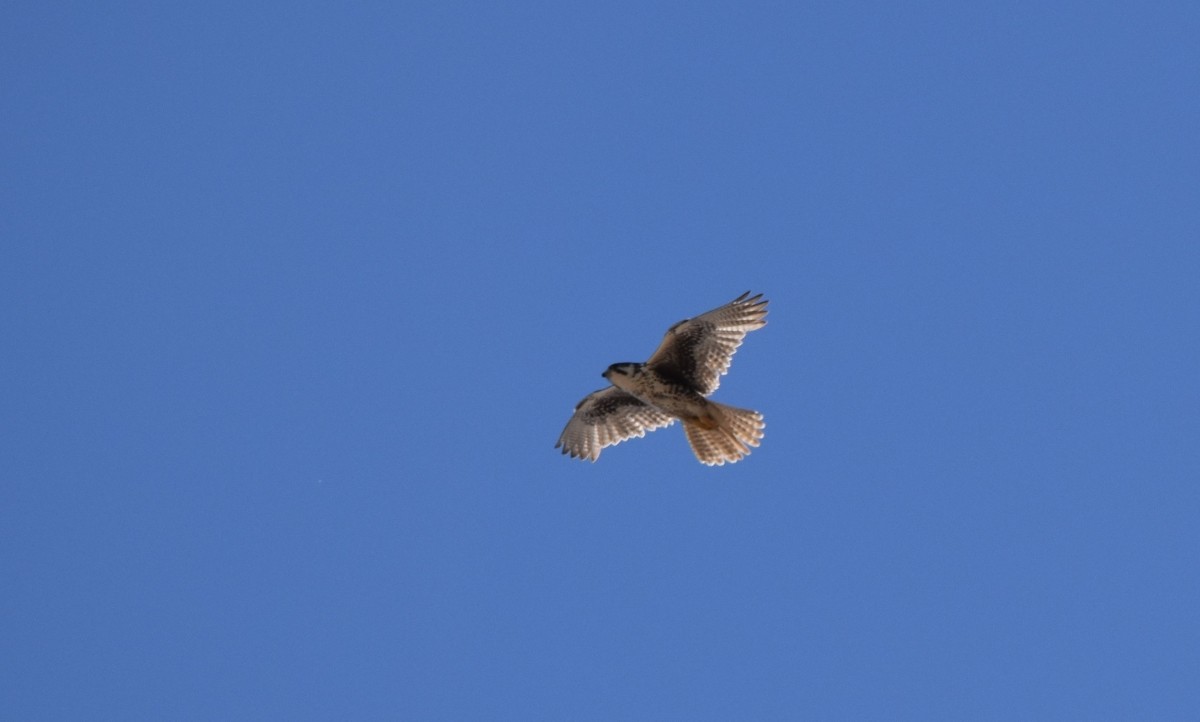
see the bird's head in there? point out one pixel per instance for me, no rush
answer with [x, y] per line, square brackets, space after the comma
[619, 374]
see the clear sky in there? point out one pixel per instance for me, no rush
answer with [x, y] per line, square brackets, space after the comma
[296, 299]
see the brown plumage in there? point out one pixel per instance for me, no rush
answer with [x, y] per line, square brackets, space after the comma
[673, 384]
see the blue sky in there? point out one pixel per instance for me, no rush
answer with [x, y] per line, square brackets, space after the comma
[299, 297]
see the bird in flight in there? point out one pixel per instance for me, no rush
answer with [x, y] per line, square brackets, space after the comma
[673, 384]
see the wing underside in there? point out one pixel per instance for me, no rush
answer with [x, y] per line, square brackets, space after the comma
[697, 351]
[606, 417]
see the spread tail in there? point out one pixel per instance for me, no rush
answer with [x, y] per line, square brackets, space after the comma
[726, 436]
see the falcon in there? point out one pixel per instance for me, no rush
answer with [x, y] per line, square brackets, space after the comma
[674, 385]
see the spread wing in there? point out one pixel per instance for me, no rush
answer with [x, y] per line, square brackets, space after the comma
[606, 417]
[697, 351]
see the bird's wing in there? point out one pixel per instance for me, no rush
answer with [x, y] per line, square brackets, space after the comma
[606, 417]
[697, 351]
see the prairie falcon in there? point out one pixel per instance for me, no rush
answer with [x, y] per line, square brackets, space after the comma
[673, 384]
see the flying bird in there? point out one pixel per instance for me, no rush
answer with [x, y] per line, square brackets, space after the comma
[673, 384]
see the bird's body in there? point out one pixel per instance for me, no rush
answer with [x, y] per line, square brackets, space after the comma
[673, 384]
[650, 386]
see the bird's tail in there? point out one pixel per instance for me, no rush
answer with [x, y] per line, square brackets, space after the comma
[725, 434]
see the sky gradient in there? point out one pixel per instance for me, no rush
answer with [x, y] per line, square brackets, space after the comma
[298, 297]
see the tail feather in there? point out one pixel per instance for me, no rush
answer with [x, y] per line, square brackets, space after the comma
[729, 439]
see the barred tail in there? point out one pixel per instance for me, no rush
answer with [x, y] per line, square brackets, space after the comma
[725, 437]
